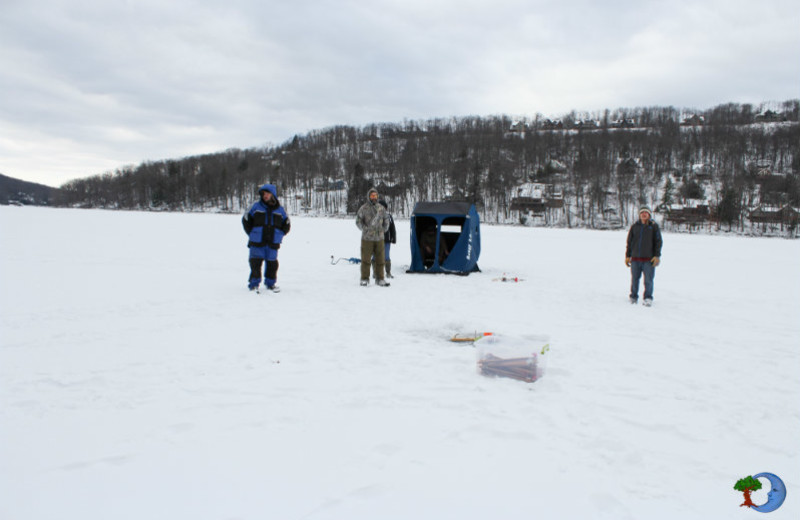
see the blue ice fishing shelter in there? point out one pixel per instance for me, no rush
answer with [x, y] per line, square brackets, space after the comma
[445, 238]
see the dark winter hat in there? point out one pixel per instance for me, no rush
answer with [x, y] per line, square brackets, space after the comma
[645, 209]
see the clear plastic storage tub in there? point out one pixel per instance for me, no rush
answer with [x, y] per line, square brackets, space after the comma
[518, 357]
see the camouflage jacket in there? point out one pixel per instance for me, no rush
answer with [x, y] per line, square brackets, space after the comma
[373, 221]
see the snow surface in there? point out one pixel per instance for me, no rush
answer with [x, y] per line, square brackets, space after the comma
[139, 379]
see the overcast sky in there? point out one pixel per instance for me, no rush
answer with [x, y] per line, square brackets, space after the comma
[88, 86]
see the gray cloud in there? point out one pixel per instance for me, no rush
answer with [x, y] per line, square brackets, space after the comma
[93, 85]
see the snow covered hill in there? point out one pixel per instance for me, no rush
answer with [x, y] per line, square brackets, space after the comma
[139, 379]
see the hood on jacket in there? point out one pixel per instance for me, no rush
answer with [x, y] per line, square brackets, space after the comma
[270, 188]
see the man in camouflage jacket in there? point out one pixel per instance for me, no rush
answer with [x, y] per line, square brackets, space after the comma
[373, 221]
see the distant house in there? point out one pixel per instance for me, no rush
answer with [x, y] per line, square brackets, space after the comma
[624, 123]
[586, 124]
[694, 120]
[702, 171]
[549, 124]
[769, 117]
[785, 215]
[532, 189]
[694, 213]
[535, 205]
[518, 127]
[536, 197]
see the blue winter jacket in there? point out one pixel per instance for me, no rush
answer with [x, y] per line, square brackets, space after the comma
[266, 224]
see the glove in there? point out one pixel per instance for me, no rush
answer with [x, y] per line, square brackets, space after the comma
[655, 261]
[628, 261]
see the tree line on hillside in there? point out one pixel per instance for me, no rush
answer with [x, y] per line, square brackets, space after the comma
[580, 170]
[23, 193]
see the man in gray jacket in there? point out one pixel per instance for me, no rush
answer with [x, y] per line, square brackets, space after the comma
[643, 254]
[373, 221]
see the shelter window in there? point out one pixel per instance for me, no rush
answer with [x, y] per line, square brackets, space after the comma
[451, 230]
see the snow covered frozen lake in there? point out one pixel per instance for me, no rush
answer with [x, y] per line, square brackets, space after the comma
[139, 379]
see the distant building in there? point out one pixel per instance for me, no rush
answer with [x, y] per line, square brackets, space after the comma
[623, 123]
[695, 212]
[702, 171]
[785, 215]
[536, 197]
[535, 205]
[769, 117]
[694, 120]
[549, 124]
[586, 124]
[518, 127]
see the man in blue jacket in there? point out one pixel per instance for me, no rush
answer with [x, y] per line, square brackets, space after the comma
[265, 224]
[643, 254]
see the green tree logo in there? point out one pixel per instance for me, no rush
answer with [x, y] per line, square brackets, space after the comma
[747, 485]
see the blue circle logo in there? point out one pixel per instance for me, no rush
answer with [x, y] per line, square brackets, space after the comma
[775, 496]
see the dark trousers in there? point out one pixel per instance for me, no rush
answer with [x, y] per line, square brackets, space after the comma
[257, 258]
